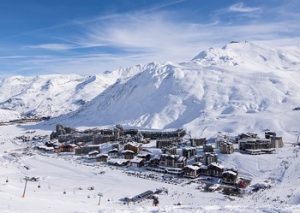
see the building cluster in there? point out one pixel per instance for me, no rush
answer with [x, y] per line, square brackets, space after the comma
[161, 151]
[250, 143]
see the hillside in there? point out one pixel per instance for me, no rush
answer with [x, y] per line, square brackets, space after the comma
[54, 95]
[242, 86]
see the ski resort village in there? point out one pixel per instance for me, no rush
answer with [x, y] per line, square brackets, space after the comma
[218, 133]
[130, 169]
[159, 106]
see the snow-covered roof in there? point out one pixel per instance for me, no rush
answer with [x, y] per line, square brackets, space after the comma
[93, 152]
[136, 160]
[128, 151]
[117, 161]
[230, 172]
[133, 144]
[192, 167]
[45, 148]
[217, 165]
[102, 155]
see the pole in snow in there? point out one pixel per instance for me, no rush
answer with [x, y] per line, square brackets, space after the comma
[100, 195]
[33, 179]
[26, 180]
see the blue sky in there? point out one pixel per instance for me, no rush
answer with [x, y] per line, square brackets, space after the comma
[91, 36]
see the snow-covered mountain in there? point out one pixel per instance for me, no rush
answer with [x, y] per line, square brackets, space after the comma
[53, 95]
[240, 87]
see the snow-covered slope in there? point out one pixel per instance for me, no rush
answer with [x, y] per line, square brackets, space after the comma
[242, 86]
[53, 95]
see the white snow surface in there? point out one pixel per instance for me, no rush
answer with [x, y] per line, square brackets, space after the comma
[59, 173]
[53, 95]
[240, 87]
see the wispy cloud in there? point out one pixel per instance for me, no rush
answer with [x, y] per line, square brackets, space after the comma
[52, 46]
[241, 8]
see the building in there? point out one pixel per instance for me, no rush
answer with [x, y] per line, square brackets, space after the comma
[82, 137]
[174, 161]
[128, 154]
[66, 148]
[198, 141]
[198, 158]
[154, 135]
[215, 170]
[135, 147]
[189, 152]
[208, 148]
[137, 162]
[118, 162]
[226, 147]
[102, 157]
[101, 138]
[170, 150]
[84, 150]
[209, 158]
[276, 142]
[114, 153]
[230, 176]
[167, 142]
[145, 156]
[65, 138]
[191, 171]
[255, 146]
[247, 135]
[269, 134]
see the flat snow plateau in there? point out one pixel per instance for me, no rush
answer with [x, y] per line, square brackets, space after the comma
[63, 173]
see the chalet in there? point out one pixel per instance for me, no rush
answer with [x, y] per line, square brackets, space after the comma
[255, 146]
[276, 142]
[215, 170]
[102, 157]
[137, 162]
[145, 156]
[167, 142]
[128, 154]
[197, 141]
[135, 147]
[208, 148]
[226, 147]
[230, 176]
[174, 161]
[114, 153]
[66, 148]
[188, 152]
[191, 171]
[209, 158]
[84, 150]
